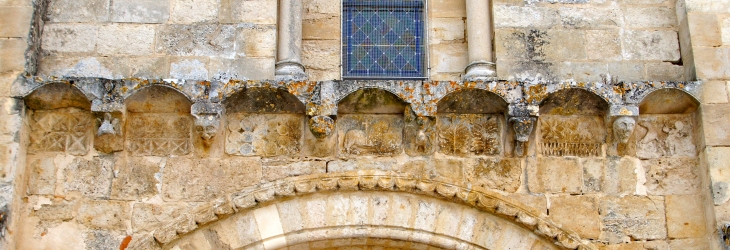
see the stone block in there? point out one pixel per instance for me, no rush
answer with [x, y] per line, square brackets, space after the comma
[632, 217]
[149, 216]
[145, 66]
[8, 158]
[197, 40]
[670, 176]
[447, 8]
[533, 16]
[42, 176]
[246, 232]
[56, 212]
[248, 11]
[647, 245]
[577, 213]
[321, 55]
[554, 175]
[363, 164]
[650, 17]
[16, 3]
[316, 9]
[660, 136]
[660, 45]
[107, 215]
[256, 41]
[685, 216]
[719, 163]
[538, 203]
[264, 135]
[449, 57]
[12, 54]
[70, 66]
[140, 11]
[595, 17]
[714, 92]
[136, 179]
[603, 45]
[91, 178]
[319, 147]
[689, 244]
[711, 62]
[715, 124]
[193, 11]
[243, 68]
[446, 30]
[277, 170]
[15, 21]
[662, 71]
[725, 30]
[321, 29]
[593, 177]
[202, 180]
[78, 11]
[705, 29]
[189, 68]
[627, 71]
[69, 38]
[620, 176]
[583, 71]
[125, 39]
[493, 173]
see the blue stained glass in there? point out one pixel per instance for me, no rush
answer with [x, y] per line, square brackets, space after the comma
[383, 39]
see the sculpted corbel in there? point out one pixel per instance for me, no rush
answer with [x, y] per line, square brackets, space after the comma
[207, 120]
[522, 126]
[321, 126]
[623, 127]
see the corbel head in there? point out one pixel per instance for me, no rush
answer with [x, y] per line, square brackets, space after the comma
[623, 127]
[321, 126]
[207, 120]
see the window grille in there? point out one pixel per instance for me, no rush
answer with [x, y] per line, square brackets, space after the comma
[383, 39]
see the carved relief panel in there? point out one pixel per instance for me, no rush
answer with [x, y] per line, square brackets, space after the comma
[264, 135]
[159, 134]
[665, 135]
[370, 134]
[64, 130]
[571, 135]
[463, 134]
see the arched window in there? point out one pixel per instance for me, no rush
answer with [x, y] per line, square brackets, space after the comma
[383, 39]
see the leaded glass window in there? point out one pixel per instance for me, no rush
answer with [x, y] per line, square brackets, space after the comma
[383, 39]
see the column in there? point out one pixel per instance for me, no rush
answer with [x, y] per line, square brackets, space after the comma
[289, 48]
[479, 28]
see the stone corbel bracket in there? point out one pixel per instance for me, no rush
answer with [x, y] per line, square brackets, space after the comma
[523, 119]
[207, 119]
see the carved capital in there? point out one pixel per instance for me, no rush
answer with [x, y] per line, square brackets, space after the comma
[321, 126]
[207, 119]
[523, 126]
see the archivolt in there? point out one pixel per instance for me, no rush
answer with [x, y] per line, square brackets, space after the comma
[261, 196]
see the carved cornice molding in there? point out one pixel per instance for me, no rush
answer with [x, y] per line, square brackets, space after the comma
[257, 196]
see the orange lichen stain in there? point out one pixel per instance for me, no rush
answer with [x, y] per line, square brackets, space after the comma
[581, 84]
[205, 83]
[536, 93]
[125, 242]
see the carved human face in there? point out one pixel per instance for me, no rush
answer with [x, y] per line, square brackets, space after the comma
[206, 127]
[623, 127]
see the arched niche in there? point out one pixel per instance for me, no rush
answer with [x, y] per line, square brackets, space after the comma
[667, 126]
[158, 122]
[265, 122]
[370, 122]
[373, 219]
[59, 119]
[472, 123]
[571, 123]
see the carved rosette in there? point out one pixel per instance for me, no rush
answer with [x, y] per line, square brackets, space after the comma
[523, 128]
[321, 126]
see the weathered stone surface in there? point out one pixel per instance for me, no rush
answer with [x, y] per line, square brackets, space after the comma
[247, 230]
[650, 17]
[577, 213]
[715, 92]
[12, 53]
[707, 28]
[197, 40]
[256, 41]
[714, 122]
[633, 217]
[672, 176]
[102, 240]
[125, 39]
[264, 135]
[189, 68]
[689, 244]
[202, 180]
[370, 134]
[69, 38]
[446, 29]
[664, 71]
[660, 45]
[279, 170]
[159, 134]
[554, 175]
[140, 11]
[60, 131]
[711, 65]
[137, 179]
[571, 135]
[593, 174]
[107, 215]
[16, 21]
[620, 176]
[149, 216]
[470, 134]
[322, 56]
[664, 135]
[603, 45]
[322, 28]
[242, 68]
[448, 57]
[685, 216]
[71, 11]
[42, 174]
[494, 173]
[249, 11]
[92, 179]
[447, 8]
[56, 212]
[193, 11]
[504, 16]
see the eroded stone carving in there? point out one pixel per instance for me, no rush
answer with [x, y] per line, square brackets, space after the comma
[623, 127]
[321, 126]
[159, 134]
[418, 134]
[470, 133]
[207, 120]
[264, 135]
[665, 135]
[370, 134]
[523, 127]
[109, 136]
[60, 131]
[109, 125]
[571, 135]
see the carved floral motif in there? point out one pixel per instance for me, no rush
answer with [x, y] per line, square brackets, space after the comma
[60, 131]
[571, 135]
[265, 135]
[159, 134]
[470, 133]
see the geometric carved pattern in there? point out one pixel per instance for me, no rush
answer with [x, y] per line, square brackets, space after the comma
[159, 134]
[460, 134]
[571, 135]
[60, 131]
[264, 135]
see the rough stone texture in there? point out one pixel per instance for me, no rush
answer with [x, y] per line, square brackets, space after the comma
[500, 174]
[137, 179]
[107, 215]
[16, 21]
[149, 216]
[72, 11]
[249, 11]
[90, 178]
[633, 217]
[554, 175]
[671, 176]
[685, 216]
[193, 11]
[621, 176]
[128, 40]
[659, 136]
[69, 38]
[197, 40]
[370, 134]
[42, 176]
[714, 120]
[202, 180]
[278, 170]
[140, 11]
[577, 213]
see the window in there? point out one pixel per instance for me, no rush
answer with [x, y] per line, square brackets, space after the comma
[383, 39]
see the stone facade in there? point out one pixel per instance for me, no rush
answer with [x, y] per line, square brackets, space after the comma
[136, 124]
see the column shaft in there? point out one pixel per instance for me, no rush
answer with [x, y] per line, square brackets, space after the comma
[289, 41]
[479, 28]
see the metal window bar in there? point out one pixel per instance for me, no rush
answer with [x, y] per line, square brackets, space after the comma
[383, 39]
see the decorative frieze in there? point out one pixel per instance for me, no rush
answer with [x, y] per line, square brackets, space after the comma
[370, 134]
[571, 135]
[159, 134]
[463, 134]
[60, 131]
